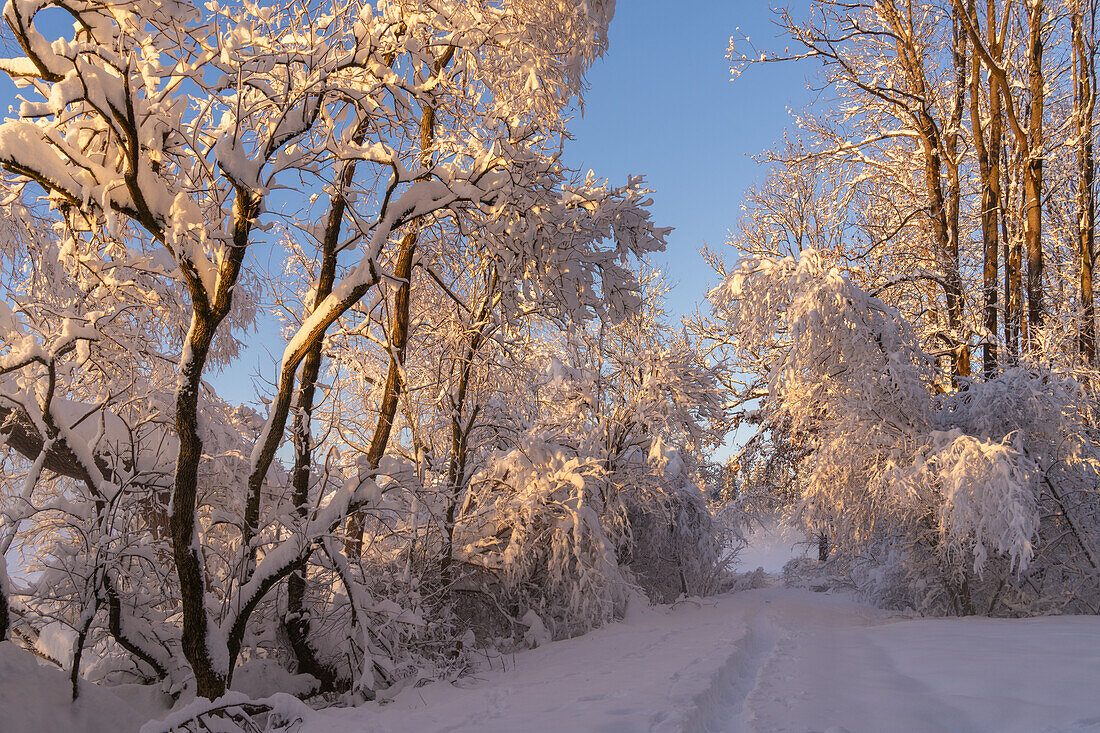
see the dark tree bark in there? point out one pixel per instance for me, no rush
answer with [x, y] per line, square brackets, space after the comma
[1084, 71]
[399, 326]
[206, 316]
[391, 394]
[5, 624]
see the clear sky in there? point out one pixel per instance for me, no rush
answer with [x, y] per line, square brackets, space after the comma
[661, 103]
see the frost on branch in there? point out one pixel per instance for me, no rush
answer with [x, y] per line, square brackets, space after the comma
[406, 159]
[904, 482]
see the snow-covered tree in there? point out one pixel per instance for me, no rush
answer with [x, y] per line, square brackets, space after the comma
[156, 147]
[600, 491]
[947, 502]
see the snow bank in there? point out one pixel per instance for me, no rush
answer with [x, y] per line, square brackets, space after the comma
[36, 698]
[259, 678]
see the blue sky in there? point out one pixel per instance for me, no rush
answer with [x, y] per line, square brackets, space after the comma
[661, 103]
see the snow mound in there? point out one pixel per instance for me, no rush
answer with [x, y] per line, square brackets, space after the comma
[37, 698]
[259, 678]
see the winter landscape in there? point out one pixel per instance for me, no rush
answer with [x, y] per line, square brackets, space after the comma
[547, 365]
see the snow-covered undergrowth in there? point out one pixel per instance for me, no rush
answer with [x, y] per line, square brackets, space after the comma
[980, 500]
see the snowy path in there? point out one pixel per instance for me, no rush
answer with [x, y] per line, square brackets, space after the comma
[773, 659]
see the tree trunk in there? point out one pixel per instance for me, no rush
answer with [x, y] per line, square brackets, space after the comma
[1013, 258]
[989, 161]
[461, 427]
[297, 616]
[1033, 176]
[1084, 69]
[399, 328]
[210, 679]
[1029, 149]
[960, 358]
[939, 148]
[210, 676]
[946, 246]
[399, 335]
[296, 620]
[5, 625]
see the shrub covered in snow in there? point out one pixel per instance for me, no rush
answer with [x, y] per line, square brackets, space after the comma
[981, 500]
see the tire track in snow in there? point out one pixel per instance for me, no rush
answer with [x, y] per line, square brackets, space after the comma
[829, 673]
[720, 707]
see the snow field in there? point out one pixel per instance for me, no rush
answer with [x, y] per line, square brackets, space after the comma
[774, 659]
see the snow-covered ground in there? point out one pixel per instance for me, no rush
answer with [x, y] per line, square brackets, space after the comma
[772, 659]
[37, 698]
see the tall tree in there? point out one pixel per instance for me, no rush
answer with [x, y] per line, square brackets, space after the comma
[884, 58]
[1030, 140]
[987, 127]
[1083, 21]
[160, 142]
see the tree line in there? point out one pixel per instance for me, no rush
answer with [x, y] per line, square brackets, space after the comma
[912, 310]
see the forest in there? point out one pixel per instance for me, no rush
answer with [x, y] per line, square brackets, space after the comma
[482, 429]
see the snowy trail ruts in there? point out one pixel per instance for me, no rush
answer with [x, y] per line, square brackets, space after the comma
[767, 661]
[720, 708]
[827, 672]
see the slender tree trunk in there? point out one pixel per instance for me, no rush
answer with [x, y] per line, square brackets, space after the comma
[78, 650]
[391, 395]
[946, 246]
[1029, 150]
[952, 270]
[939, 149]
[1013, 257]
[297, 616]
[1033, 175]
[989, 159]
[5, 625]
[456, 481]
[399, 327]
[461, 426]
[1084, 48]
